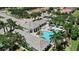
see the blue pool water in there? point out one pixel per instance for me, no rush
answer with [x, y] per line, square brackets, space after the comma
[47, 35]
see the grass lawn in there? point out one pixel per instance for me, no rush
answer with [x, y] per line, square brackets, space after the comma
[73, 45]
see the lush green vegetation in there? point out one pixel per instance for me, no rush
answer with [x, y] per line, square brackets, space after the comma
[69, 21]
[60, 44]
[23, 12]
[19, 12]
[70, 24]
[11, 40]
[74, 44]
[9, 26]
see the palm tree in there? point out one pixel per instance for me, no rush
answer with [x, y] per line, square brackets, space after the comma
[74, 32]
[58, 40]
[68, 26]
[71, 19]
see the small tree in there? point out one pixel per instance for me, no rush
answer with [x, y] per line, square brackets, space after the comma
[12, 25]
[3, 26]
[76, 15]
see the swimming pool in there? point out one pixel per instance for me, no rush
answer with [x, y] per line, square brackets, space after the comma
[47, 35]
